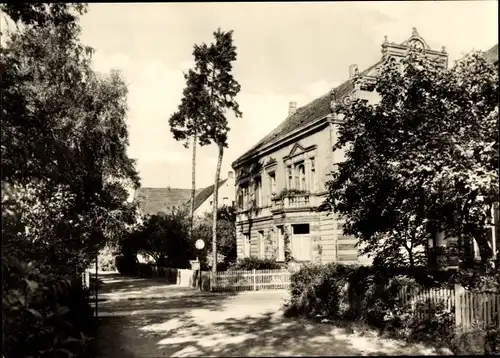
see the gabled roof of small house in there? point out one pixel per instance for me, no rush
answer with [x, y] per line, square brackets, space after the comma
[156, 200]
[203, 194]
[316, 109]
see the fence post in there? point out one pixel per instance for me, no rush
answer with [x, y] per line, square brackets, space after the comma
[254, 281]
[458, 307]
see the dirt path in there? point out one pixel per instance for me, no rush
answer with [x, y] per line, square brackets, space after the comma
[145, 318]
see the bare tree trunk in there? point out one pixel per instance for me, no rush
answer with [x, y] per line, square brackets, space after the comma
[193, 186]
[215, 205]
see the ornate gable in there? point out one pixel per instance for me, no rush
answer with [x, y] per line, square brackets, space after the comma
[296, 149]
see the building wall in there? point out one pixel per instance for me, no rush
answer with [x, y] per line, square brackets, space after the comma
[327, 240]
[227, 190]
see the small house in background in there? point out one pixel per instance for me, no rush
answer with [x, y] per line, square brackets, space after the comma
[160, 200]
[204, 199]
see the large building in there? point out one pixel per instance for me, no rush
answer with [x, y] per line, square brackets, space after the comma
[282, 178]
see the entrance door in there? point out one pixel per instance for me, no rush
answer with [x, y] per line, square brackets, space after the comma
[301, 242]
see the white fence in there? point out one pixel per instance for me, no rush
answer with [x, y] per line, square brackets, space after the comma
[472, 309]
[252, 280]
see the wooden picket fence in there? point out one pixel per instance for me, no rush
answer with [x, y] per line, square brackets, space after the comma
[252, 280]
[472, 309]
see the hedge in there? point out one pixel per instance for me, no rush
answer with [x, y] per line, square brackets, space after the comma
[44, 316]
[368, 294]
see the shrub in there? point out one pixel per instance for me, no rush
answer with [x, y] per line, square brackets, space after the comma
[321, 290]
[126, 265]
[492, 339]
[255, 263]
[106, 259]
[427, 322]
[146, 270]
[43, 316]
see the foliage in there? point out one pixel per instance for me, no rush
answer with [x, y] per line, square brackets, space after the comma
[421, 321]
[255, 263]
[210, 93]
[492, 339]
[226, 237]
[163, 236]
[43, 317]
[423, 159]
[317, 290]
[287, 246]
[41, 15]
[479, 279]
[290, 193]
[106, 259]
[64, 141]
[126, 265]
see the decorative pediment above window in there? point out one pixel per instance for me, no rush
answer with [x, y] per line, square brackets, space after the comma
[298, 150]
[271, 164]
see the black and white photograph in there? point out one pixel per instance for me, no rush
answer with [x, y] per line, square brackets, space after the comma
[250, 179]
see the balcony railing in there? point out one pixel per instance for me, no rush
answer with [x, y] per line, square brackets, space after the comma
[293, 202]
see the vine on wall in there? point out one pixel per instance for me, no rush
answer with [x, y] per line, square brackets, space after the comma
[286, 240]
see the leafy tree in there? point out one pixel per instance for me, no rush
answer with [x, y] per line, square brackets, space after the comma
[163, 236]
[64, 139]
[184, 123]
[423, 160]
[210, 92]
[226, 235]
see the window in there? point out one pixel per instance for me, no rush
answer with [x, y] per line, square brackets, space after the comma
[225, 201]
[245, 197]
[233, 203]
[313, 176]
[301, 229]
[290, 177]
[280, 240]
[272, 184]
[258, 192]
[262, 248]
[211, 202]
[246, 245]
[301, 172]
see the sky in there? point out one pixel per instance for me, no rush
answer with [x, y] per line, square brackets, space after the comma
[286, 52]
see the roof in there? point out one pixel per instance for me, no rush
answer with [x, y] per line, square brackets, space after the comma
[492, 53]
[316, 109]
[203, 194]
[155, 200]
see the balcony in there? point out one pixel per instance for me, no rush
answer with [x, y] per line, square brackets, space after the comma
[295, 201]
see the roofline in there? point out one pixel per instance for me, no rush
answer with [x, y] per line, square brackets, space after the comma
[252, 154]
[297, 132]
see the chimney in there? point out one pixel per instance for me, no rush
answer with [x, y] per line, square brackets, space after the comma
[353, 71]
[292, 107]
[230, 175]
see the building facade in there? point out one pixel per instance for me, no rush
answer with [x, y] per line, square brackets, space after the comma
[204, 199]
[282, 179]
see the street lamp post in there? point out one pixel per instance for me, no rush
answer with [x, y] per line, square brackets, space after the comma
[199, 244]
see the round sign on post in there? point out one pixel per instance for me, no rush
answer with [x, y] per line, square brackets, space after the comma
[199, 244]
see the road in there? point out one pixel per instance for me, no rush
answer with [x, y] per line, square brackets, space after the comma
[146, 318]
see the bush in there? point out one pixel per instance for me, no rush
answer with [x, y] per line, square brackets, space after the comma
[43, 316]
[492, 339]
[254, 263]
[106, 260]
[126, 265]
[320, 290]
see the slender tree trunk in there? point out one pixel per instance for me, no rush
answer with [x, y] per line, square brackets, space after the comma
[215, 202]
[193, 187]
